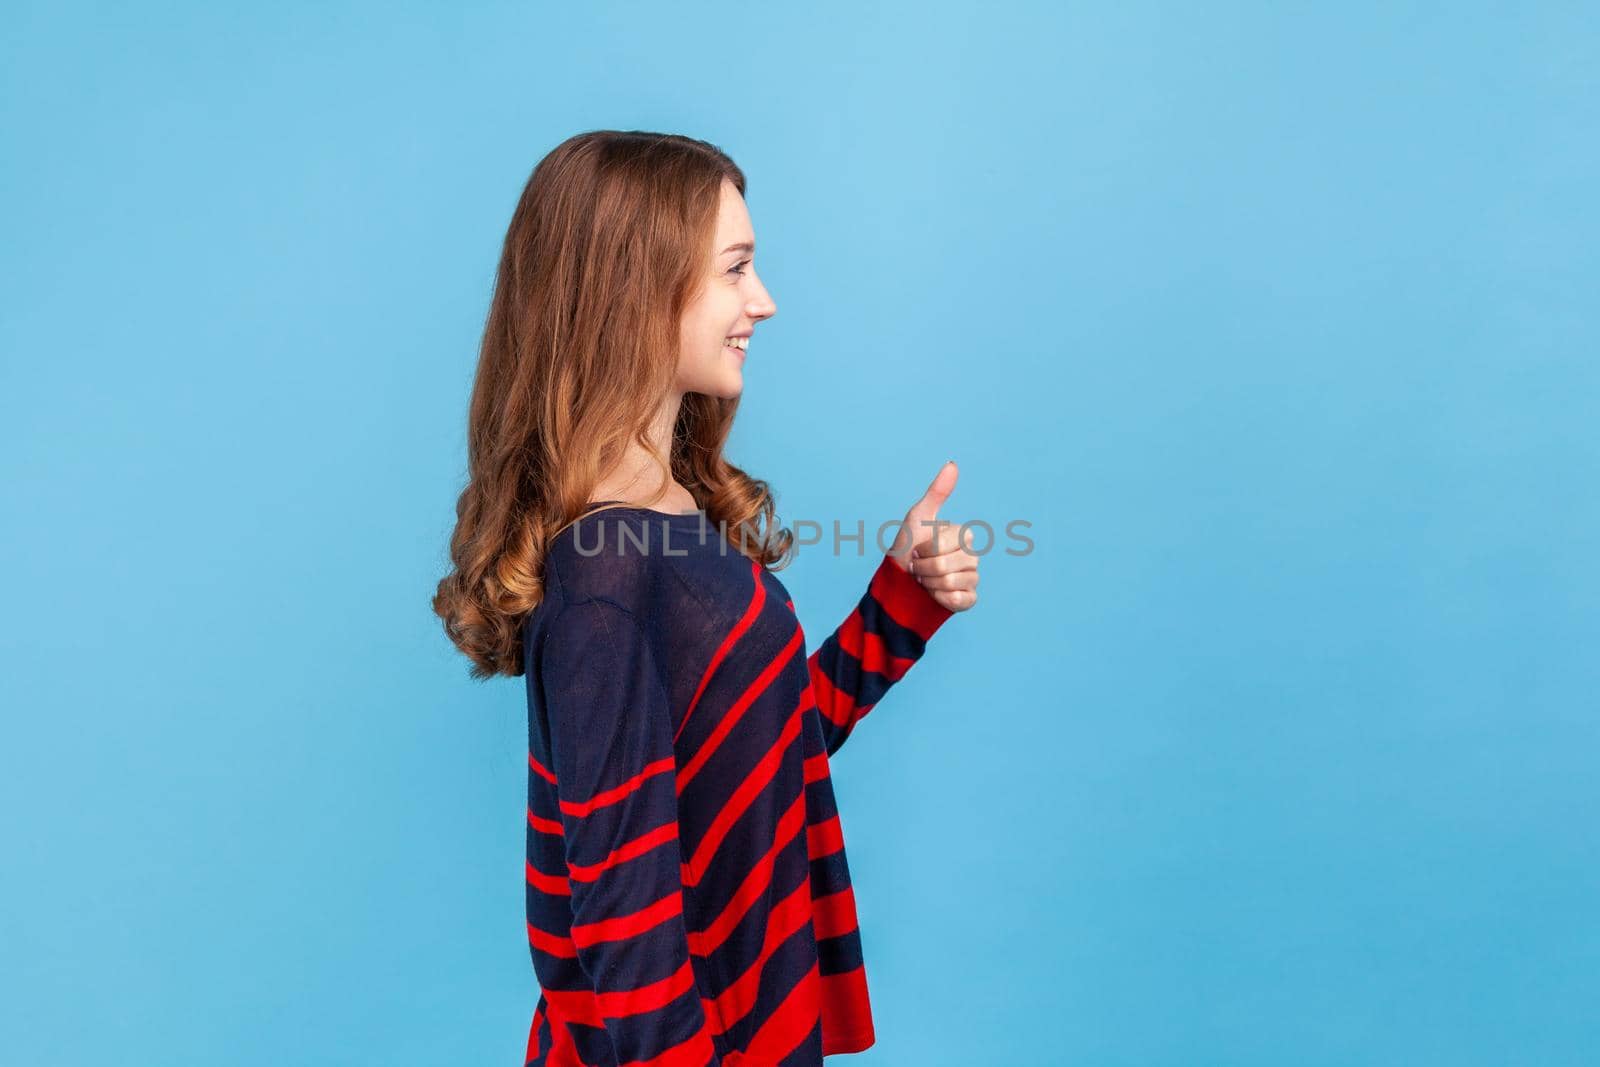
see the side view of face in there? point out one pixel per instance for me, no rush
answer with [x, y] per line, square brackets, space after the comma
[719, 321]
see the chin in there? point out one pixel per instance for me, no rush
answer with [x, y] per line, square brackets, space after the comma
[727, 388]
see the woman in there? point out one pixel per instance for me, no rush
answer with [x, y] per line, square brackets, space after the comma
[688, 899]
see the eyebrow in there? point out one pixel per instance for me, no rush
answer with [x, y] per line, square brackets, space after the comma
[742, 246]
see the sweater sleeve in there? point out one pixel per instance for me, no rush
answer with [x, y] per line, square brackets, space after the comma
[885, 633]
[616, 780]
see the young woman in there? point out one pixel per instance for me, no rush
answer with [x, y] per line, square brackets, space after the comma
[688, 900]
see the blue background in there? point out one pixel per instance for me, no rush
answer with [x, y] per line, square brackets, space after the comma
[1278, 324]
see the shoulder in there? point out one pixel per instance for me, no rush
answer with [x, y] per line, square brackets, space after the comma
[603, 557]
[600, 592]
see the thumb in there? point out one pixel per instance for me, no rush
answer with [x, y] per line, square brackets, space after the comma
[927, 508]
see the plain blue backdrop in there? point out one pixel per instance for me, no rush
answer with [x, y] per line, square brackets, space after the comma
[1278, 322]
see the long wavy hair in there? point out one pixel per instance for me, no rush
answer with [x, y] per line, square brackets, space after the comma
[607, 247]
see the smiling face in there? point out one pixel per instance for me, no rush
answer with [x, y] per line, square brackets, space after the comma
[730, 303]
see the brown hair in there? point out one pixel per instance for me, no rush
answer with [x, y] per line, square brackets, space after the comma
[607, 246]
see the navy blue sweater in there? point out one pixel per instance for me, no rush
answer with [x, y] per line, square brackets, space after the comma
[688, 899]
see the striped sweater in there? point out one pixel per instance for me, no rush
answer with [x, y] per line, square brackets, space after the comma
[688, 899]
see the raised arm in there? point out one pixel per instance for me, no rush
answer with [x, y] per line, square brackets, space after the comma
[611, 744]
[885, 633]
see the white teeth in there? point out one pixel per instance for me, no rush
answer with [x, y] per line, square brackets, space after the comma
[737, 342]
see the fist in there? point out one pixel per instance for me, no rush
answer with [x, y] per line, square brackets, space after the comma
[930, 548]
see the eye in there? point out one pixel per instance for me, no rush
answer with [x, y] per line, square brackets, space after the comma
[735, 268]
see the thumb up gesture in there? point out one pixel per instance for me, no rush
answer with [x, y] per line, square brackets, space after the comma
[930, 548]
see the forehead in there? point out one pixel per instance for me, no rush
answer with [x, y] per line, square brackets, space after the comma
[733, 220]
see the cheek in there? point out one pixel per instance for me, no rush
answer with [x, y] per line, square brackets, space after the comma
[699, 330]
[715, 330]
[709, 321]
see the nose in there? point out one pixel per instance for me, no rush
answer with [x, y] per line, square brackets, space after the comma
[761, 307]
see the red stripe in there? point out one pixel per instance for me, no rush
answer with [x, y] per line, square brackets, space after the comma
[574, 1006]
[824, 839]
[554, 884]
[695, 1052]
[584, 1007]
[563, 1053]
[835, 913]
[544, 826]
[611, 796]
[637, 847]
[623, 1003]
[846, 1012]
[816, 767]
[763, 772]
[870, 650]
[752, 611]
[554, 944]
[626, 926]
[788, 915]
[754, 886]
[789, 1025]
[540, 768]
[905, 599]
[533, 1036]
[835, 703]
[731, 718]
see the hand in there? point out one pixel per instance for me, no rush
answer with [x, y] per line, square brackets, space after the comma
[934, 553]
